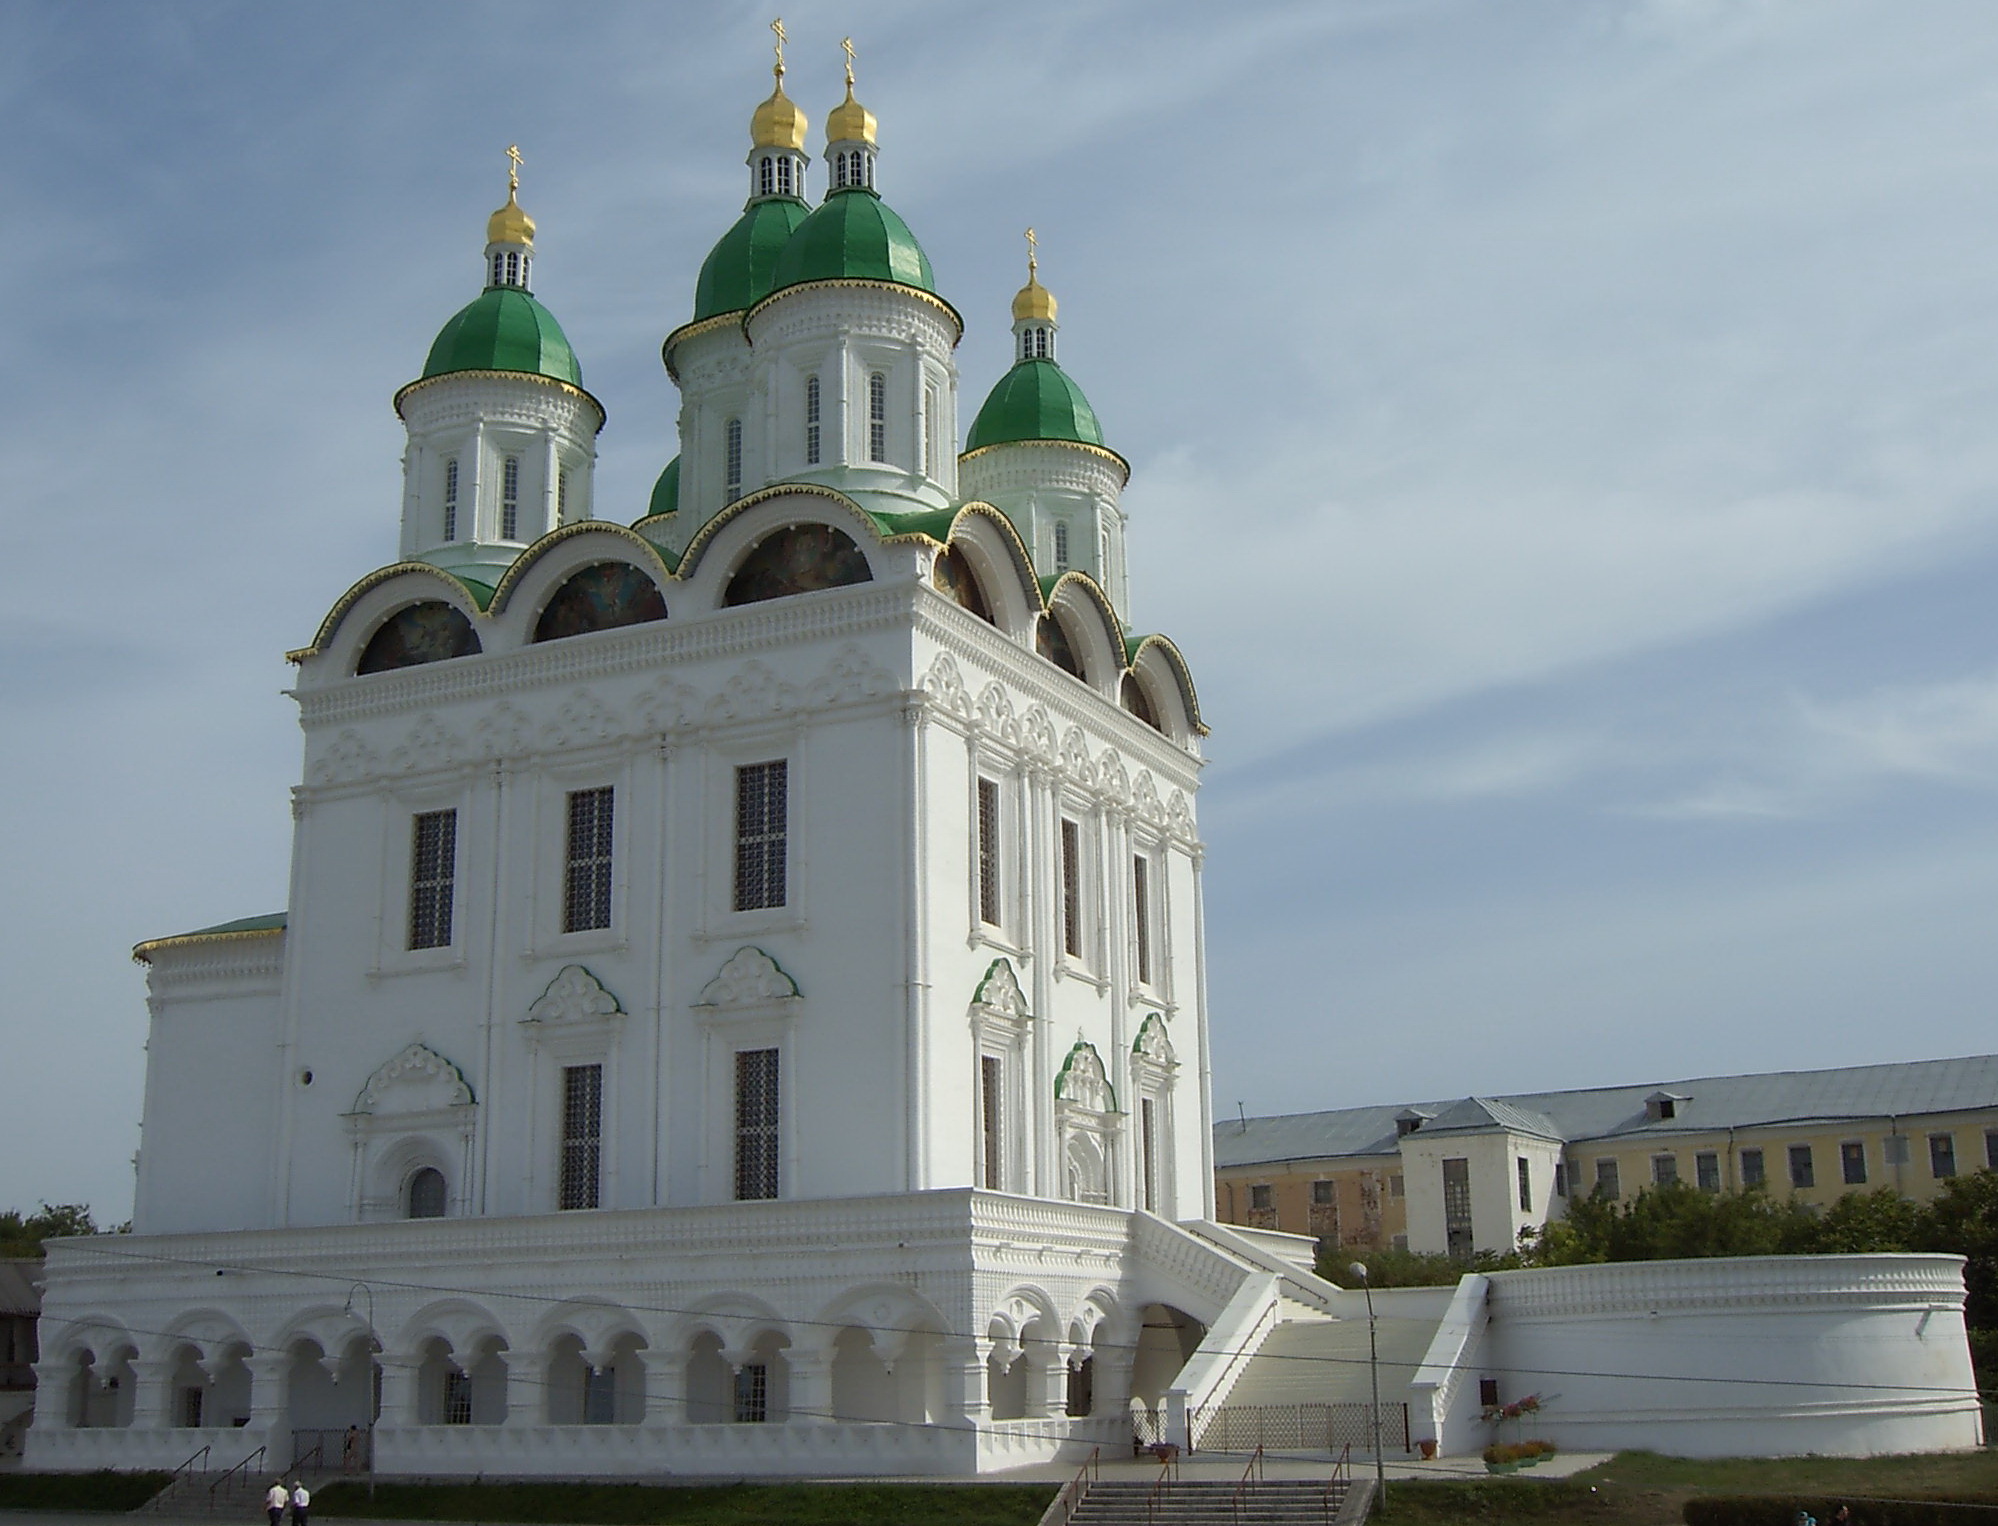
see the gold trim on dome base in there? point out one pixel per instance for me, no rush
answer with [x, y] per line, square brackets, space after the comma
[856, 283]
[531, 376]
[1094, 450]
[142, 953]
[694, 330]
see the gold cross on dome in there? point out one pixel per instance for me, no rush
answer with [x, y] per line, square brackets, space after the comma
[783, 37]
[1032, 245]
[512, 167]
[846, 47]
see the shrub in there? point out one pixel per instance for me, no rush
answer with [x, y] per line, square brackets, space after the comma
[1783, 1509]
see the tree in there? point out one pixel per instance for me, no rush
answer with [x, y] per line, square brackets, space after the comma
[1963, 1220]
[22, 1235]
[1671, 1221]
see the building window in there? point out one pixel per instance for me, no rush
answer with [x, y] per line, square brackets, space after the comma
[877, 417]
[1852, 1162]
[1664, 1170]
[732, 461]
[1706, 1170]
[451, 499]
[988, 852]
[1560, 1178]
[499, 270]
[510, 499]
[1397, 1185]
[1525, 1169]
[811, 421]
[1457, 1235]
[1942, 1155]
[1802, 1173]
[1324, 1192]
[1148, 1145]
[1607, 1184]
[599, 1395]
[1060, 546]
[1141, 915]
[1752, 1174]
[586, 889]
[426, 1194]
[932, 447]
[766, 176]
[433, 867]
[191, 1399]
[1259, 1198]
[752, 1393]
[457, 1408]
[1991, 1148]
[786, 183]
[1488, 1392]
[582, 1136]
[762, 834]
[755, 1124]
[1071, 889]
[1894, 1150]
[991, 1119]
[562, 493]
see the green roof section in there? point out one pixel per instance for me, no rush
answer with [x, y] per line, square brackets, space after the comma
[482, 593]
[854, 236]
[1036, 400]
[270, 922]
[739, 270]
[504, 329]
[666, 491]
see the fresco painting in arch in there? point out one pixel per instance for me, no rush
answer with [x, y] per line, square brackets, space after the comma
[798, 559]
[955, 579]
[600, 598]
[429, 632]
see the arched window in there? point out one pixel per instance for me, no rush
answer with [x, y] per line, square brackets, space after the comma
[877, 417]
[428, 632]
[499, 269]
[811, 421]
[451, 499]
[1060, 546]
[600, 598]
[510, 499]
[766, 176]
[562, 494]
[798, 559]
[732, 461]
[1139, 703]
[1051, 641]
[513, 267]
[954, 576]
[426, 1195]
[785, 186]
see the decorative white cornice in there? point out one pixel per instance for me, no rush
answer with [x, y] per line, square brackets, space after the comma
[750, 978]
[418, 1063]
[574, 996]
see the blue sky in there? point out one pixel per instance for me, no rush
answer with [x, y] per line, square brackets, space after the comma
[1561, 437]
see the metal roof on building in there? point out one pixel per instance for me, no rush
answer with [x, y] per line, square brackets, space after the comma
[1915, 1088]
[20, 1287]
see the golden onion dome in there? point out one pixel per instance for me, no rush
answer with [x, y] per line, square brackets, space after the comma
[778, 122]
[850, 121]
[1035, 303]
[510, 225]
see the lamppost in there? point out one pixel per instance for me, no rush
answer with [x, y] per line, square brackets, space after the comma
[373, 1341]
[1359, 1270]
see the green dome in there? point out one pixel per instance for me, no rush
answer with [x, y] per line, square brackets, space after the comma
[666, 491]
[504, 330]
[737, 272]
[854, 236]
[1035, 401]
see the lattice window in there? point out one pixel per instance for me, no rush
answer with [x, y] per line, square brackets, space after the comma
[1148, 1146]
[1608, 1179]
[499, 270]
[1942, 1155]
[1753, 1173]
[433, 867]
[992, 1119]
[586, 890]
[451, 499]
[457, 1398]
[562, 493]
[732, 461]
[1141, 915]
[811, 421]
[762, 834]
[1803, 1173]
[1852, 1162]
[752, 1394]
[1071, 889]
[1060, 546]
[786, 184]
[988, 852]
[877, 417]
[756, 1124]
[582, 1136]
[510, 499]
[766, 176]
[1664, 1169]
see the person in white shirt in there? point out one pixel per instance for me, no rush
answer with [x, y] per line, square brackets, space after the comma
[274, 1502]
[301, 1500]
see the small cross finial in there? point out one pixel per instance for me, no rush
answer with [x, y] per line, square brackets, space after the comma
[512, 168]
[1033, 244]
[846, 47]
[783, 37]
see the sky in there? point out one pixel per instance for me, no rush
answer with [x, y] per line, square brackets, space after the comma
[1561, 443]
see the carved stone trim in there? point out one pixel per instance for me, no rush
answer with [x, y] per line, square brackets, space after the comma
[574, 996]
[749, 979]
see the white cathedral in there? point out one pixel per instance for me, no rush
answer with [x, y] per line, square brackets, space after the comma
[740, 1004]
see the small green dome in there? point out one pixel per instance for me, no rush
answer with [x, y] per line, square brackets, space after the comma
[1035, 400]
[737, 272]
[504, 330]
[854, 236]
[666, 491]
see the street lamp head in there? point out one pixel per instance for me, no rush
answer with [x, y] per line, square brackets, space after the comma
[1359, 1270]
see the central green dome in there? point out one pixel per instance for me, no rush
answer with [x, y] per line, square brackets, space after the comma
[854, 236]
[737, 274]
[1035, 400]
[505, 329]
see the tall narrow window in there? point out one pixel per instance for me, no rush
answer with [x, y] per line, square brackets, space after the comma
[1752, 1173]
[1458, 1237]
[1706, 1170]
[1141, 915]
[877, 417]
[762, 834]
[988, 852]
[786, 186]
[811, 421]
[766, 176]
[582, 1136]
[752, 1393]
[1148, 1148]
[562, 493]
[586, 891]
[433, 869]
[991, 1119]
[1942, 1155]
[499, 270]
[426, 1194]
[1852, 1162]
[451, 499]
[755, 1124]
[932, 451]
[1071, 889]
[1608, 1184]
[1525, 1183]
[600, 1395]
[510, 499]
[1061, 546]
[513, 267]
[732, 462]
[457, 1399]
[1802, 1172]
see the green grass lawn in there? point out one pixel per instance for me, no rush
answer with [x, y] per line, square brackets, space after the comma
[79, 1491]
[695, 1504]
